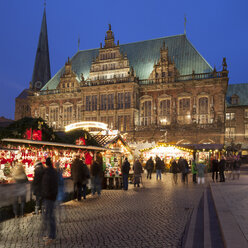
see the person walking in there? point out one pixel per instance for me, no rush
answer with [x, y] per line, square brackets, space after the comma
[21, 181]
[158, 167]
[49, 194]
[215, 169]
[194, 170]
[37, 185]
[222, 166]
[85, 179]
[125, 168]
[149, 167]
[137, 170]
[200, 170]
[97, 174]
[76, 174]
[174, 169]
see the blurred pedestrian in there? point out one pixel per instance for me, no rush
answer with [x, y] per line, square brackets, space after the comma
[174, 169]
[149, 167]
[37, 185]
[125, 168]
[61, 192]
[158, 166]
[85, 178]
[137, 171]
[194, 170]
[215, 164]
[21, 181]
[77, 176]
[49, 194]
[222, 166]
[97, 174]
[200, 171]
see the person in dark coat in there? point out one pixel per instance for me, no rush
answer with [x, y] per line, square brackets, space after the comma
[37, 185]
[158, 166]
[137, 171]
[77, 177]
[85, 179]
[222, 166]
[174, 169]
[215, 165]
[49, 194]
[97, 174]
[125, 172]
[149, 167]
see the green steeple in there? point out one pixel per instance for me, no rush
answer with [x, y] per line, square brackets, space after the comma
[41, 72]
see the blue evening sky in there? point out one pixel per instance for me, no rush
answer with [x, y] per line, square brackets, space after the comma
[216, 28]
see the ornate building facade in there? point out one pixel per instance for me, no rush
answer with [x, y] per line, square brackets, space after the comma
[154, 90]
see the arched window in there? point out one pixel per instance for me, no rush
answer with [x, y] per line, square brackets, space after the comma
[203, 105]
[184, 116]
[146, 113]
[164, 113]
[203, 110]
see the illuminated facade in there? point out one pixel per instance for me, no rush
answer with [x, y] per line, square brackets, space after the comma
[154, 90]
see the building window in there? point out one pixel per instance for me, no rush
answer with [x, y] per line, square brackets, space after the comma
[203, 110]
[230, 132]
[67, 109]
[234, 99]
[127, 100]
[110, 121]
[164, 113]
[88, 103]
[246, 113]
[120, 101]
[184, 116]
[230, 116]
[146, 113]
[94, 103]
[43, 113]
[103, 102]
[111, 101]
[246, 131]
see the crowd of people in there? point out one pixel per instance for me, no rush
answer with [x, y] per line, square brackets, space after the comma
[48, 182]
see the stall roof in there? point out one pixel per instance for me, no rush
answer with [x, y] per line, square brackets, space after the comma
[204, 146]
[106, 140]
[187, 149]
[47, 143]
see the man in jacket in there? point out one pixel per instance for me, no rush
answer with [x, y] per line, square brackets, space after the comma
[125, 172]
[77, 177]
[97, 174]
[215, 165]
[158, 167]
[149, 167]
[137, 171]
[37, 185]
[49, 194]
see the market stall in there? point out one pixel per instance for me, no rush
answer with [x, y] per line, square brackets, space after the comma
[166, 152]
[113, 157]
[28, 151]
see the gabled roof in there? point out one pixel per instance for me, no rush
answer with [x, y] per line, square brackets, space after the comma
[241, 90]
[142, 55]
[41, 70]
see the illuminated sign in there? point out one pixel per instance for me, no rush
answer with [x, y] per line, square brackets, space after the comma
[86, 124]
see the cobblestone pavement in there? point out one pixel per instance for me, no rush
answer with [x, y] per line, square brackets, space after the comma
[150, 216]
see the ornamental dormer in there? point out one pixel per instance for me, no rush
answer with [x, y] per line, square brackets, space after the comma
[164, 70]
[109, 39]
[69, 79]
[111, 63]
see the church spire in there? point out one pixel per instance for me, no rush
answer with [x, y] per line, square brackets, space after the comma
[41, 72]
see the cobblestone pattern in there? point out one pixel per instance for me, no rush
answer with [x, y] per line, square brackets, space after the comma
[150, 216]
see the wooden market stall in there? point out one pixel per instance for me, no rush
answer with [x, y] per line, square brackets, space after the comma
[28, 151]
[113, 157]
